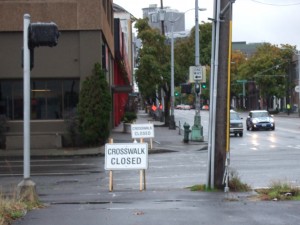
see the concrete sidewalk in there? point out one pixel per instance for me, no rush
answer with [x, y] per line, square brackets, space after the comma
[165, 140]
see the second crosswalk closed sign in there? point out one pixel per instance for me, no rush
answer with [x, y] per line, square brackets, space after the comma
[142, 130]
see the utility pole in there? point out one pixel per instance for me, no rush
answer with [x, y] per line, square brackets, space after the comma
[223, 95]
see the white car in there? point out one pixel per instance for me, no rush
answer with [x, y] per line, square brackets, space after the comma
[186, 107]
[179, 106]
[236, 124]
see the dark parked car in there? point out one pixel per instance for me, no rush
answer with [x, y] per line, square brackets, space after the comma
[260, 120]
[236, 124]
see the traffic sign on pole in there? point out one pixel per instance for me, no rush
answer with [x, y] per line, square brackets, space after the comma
[297, 88]
[197, 73]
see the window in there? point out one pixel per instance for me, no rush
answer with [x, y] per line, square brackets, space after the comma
[50, 99]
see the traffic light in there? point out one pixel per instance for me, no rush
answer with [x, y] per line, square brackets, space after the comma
[42, 34]
[203, 85]
[186, 88]
[197, 88]
[176, 94]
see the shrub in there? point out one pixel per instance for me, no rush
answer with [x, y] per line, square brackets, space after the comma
[72, 137]
[94, 108]
[12, 207]
[129, 117]
[235, 183]
[280, 191]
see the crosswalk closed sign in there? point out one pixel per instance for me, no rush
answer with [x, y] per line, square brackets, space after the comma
[126, 156]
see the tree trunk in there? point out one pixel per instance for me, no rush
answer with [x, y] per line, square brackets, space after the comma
[167, 109]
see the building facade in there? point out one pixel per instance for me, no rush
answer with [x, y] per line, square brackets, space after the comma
[123, 64]
[86, 38]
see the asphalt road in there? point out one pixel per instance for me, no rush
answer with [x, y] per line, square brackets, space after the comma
[75, 190]
[261, 157]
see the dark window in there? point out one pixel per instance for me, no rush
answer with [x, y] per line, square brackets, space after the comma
[50, 99]
[70, 95]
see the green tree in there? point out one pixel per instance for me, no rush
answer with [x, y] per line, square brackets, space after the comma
[185, 47]
[185, 55]
[153, 70]
[238, 58]
[94, 108]
[269, 69]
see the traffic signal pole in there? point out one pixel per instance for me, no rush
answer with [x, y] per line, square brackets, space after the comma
[197, 128]
[34, 35]
[26, 186]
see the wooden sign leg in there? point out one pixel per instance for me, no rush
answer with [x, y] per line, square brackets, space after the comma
[144, 176]
[111, 185]
[111, 181]
[142, 180]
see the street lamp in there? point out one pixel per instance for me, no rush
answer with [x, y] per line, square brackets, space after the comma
[172, 124]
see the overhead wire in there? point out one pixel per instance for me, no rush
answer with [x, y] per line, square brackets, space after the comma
[274, 4]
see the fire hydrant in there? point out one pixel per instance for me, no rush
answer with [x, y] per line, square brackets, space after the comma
[187, 131]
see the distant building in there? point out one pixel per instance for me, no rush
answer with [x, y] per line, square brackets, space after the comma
[248, 49]
[154, 14]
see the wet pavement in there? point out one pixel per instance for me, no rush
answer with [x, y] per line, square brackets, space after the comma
[173, 166]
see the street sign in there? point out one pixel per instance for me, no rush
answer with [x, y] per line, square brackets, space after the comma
[297, 88]
[197, 73]
[142, 130]
[126, 156]
[241, 81]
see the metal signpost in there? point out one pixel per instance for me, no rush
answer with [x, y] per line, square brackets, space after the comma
[197, 129]
[244, 91]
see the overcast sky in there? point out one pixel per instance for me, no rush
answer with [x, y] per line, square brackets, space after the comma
[273, 21]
